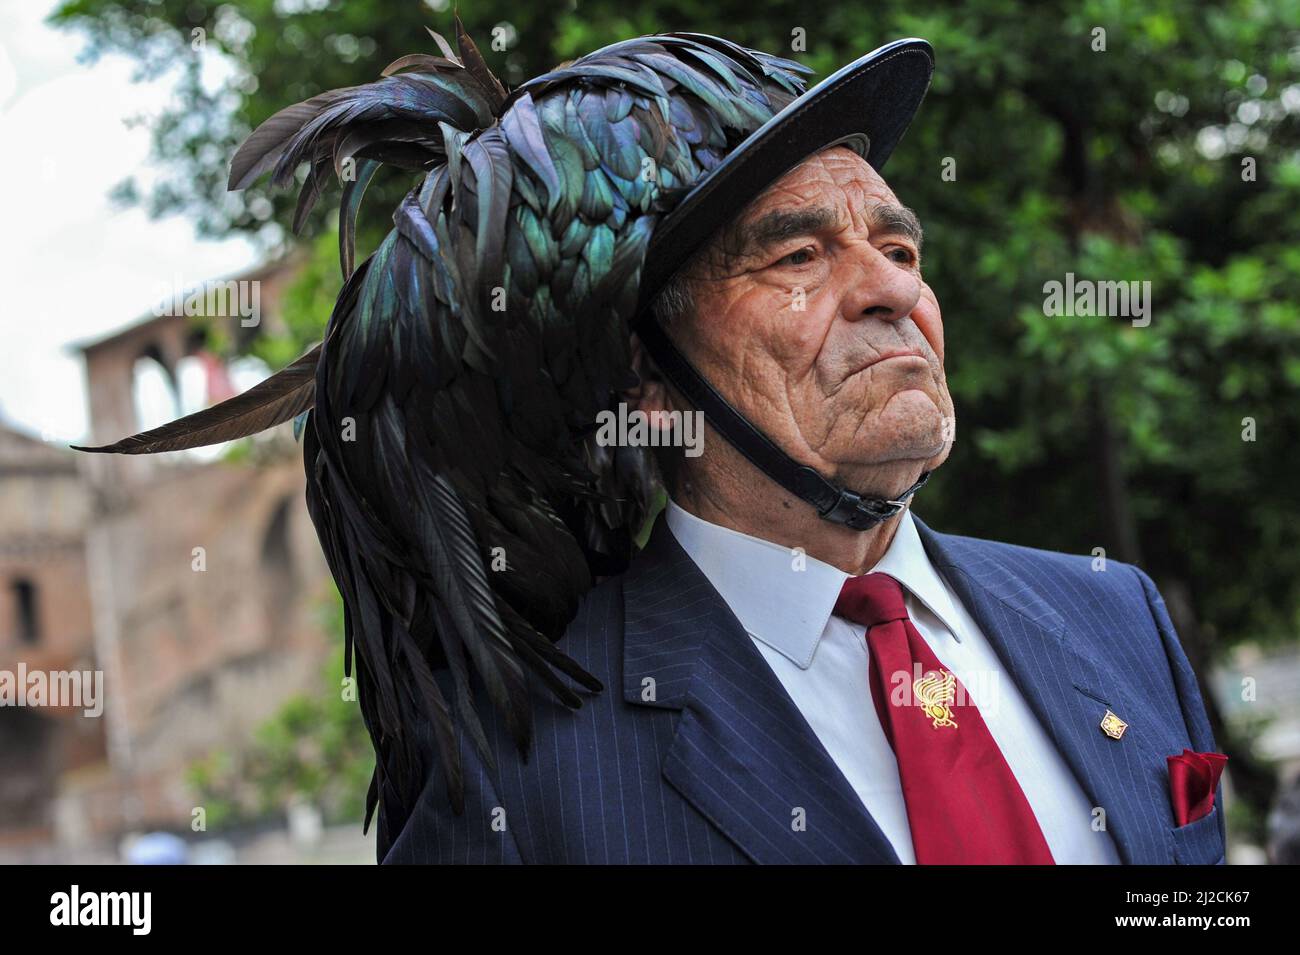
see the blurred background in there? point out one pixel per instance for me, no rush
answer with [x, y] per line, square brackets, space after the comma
[1153, 142]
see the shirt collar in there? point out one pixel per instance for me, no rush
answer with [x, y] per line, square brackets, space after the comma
[784, 598]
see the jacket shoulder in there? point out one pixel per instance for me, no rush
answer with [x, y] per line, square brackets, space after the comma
[1093, 575]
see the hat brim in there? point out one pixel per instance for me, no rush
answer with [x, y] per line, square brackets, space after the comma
[867, 105]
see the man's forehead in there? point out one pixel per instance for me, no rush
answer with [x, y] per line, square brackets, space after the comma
[825, 190]
[824, 175]
[820, 192]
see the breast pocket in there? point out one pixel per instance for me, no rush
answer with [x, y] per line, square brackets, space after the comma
[1199, 842]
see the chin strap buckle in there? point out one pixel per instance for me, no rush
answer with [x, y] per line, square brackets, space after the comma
[854, 511]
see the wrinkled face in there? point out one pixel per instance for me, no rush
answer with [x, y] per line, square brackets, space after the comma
[813, 319]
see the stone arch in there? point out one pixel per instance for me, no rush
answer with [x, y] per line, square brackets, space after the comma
[155, 396]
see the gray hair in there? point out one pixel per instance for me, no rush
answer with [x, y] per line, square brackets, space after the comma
[673, 301]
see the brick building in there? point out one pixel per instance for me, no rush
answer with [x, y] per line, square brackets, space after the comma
[194, 582]
[45, 625]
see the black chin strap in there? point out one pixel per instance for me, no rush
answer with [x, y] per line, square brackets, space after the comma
[833, 503]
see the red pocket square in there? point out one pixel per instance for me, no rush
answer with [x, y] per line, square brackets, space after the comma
[1193, 777]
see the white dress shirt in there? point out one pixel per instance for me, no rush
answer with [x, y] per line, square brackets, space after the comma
[784, 600]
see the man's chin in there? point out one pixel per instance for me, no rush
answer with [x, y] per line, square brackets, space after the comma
[912, 398]
[911, 425]
[922, 447]
[889, 478]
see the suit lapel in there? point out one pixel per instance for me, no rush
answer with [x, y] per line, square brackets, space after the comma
[1067, 689]
[742, 754]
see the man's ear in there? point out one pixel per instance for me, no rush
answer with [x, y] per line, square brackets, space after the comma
[650, 394]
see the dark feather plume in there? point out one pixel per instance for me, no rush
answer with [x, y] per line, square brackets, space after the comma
[460, 497]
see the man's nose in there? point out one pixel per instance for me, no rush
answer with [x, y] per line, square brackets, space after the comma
[881, 289]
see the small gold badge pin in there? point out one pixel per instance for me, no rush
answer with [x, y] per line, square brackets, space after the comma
[1112, 725]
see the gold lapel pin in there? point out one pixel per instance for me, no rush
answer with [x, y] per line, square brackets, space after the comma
[1112, 725]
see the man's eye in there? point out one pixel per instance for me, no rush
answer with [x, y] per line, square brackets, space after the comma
[902, 255]
[798, 257]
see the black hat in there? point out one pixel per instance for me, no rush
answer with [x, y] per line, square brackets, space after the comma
[866, 106]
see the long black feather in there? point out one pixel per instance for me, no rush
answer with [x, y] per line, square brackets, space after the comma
[452, 474]
[284, 395]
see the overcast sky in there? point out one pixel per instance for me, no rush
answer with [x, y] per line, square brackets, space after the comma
[72, 267]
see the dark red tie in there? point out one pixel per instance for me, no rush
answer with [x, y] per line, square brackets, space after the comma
[964, 805]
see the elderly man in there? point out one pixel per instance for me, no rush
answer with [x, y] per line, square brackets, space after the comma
[794, 667]
[742, 725]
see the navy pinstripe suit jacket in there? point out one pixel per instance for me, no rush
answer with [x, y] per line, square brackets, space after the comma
[694, 753]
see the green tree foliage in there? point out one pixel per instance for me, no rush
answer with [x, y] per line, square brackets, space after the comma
[1161, 150]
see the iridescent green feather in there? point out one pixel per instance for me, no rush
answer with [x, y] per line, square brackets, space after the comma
[459, 495]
